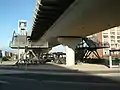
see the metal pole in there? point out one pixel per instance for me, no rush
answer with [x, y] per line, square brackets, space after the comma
[110, 60]
[18, 49]
[26, 48]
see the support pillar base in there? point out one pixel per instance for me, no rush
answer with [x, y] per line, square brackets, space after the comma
[70, 56]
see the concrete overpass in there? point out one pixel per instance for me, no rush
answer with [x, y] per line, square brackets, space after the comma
[63, 22]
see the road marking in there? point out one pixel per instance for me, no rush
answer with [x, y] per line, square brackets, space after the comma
[4, 82]
[57, 73]
[80, 83]
[109, 74]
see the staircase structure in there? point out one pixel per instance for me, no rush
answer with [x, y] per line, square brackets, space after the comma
[87, 46]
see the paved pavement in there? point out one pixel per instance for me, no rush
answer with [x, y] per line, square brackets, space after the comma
[59, 77]
[12, 62]
[30, 81]
[89, 68]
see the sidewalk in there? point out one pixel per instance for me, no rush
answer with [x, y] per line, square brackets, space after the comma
[8, 62]
[57, 68]
[90, 67]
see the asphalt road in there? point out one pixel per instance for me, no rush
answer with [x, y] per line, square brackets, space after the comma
[30, 81]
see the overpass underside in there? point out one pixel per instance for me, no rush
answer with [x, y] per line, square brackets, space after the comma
[64, 22]
[55, 18]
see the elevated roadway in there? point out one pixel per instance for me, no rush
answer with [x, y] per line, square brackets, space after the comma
[73, 18]
[64, 22]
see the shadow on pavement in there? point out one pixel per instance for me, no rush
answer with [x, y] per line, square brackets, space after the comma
[55, 78]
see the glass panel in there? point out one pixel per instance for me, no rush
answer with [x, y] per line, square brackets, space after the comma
[112, 37]
[112, 33]
[118, 37]
[105, 36]
[118, 33]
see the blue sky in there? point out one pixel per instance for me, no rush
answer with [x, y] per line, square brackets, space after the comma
[10, 12]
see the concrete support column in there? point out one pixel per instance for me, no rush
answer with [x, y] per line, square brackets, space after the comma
[70, 43]
[70, 56]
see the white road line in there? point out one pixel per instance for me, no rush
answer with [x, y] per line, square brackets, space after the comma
[79, 83]
[4, 82]
[109, 74]
[57, 73]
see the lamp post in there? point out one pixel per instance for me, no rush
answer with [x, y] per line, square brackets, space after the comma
[110, 59]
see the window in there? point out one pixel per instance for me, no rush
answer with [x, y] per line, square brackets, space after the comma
[105, 51]
[112, 33]
[112, 37]
[112, 29]
[106, 40]
[118, 33]
[112, 45]
[105, 36]
[22, 24]
[105, 32]
[112, 41]
[118, 46]
[118, 41]
[118, 37]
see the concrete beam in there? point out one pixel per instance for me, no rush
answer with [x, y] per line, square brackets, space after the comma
[69, 41]
[85, 17]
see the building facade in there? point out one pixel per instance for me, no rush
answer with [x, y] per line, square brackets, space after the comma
[110, 36]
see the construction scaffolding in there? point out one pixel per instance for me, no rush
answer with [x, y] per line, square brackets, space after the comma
[28, 52]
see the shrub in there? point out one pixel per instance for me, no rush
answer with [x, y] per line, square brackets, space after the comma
[5, 59]
[8, 57]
